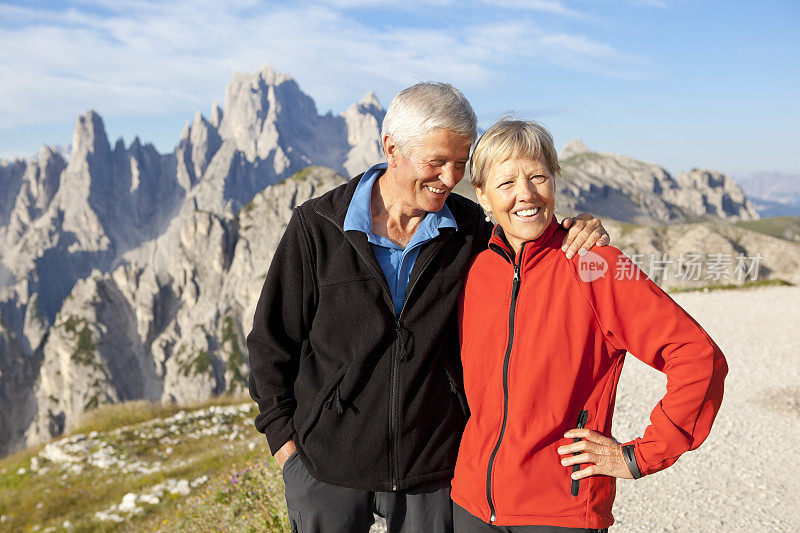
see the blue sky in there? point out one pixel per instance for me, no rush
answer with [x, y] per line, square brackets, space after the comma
[710, 84]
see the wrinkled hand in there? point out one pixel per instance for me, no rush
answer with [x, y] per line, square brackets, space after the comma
[603, 454]
[285, 451]
[585, 231]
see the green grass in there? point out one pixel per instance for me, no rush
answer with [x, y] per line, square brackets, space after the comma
[244, 491]
[579, 159]
[84, 351]
[731, 286]
[780, 227]
[199, 365]
[236, 362]
[113, 416]
[302, 175]
[625, 228]
[247, 208]
[241, 499]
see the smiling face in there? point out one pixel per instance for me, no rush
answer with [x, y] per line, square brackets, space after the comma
[424, 174]
[520, 192]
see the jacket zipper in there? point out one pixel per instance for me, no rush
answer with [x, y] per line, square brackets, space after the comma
[393, 393]
[393, 422]
[507, 359]
[575, 485]
[393, 409]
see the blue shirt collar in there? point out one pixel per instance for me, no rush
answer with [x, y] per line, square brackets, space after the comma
[359, 214]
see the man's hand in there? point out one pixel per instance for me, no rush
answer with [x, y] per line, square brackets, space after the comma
[284, 453]
[585, 231]
[603, 454]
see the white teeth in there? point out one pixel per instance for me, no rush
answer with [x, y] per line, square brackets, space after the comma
[434, 189]
[528, 212]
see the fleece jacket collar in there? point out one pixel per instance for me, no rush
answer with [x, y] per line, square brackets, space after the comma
[532, 251]
[334, 207]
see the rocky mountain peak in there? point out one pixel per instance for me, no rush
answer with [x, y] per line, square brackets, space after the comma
[271, 76]
[363, 121]
[706, 178]
[253, 104]
[199, 142]
[630, 190]
[199, 119]
[572, 148]
[723, 197]
[269, 118]
[90, 135]
[216, 114]
[370, 100]
[46, 153]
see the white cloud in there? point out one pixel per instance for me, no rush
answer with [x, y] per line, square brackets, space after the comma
[411, 4]
[138, 57]
[548, 6]
[661, 4]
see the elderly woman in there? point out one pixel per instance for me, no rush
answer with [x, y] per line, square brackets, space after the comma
[543, 340]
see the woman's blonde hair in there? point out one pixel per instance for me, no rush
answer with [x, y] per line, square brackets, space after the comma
[510, 138]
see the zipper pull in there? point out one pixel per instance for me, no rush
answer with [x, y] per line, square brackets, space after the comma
[401, 355]
[338, 402]
[582, 418]
[515, 285]
[492, 518]
[575, 485]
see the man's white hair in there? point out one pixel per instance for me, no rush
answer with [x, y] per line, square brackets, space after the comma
[427, 106]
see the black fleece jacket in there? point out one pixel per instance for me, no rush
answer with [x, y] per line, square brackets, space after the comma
[372, 401]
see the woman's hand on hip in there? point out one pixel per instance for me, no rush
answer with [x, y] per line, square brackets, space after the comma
[602, 454]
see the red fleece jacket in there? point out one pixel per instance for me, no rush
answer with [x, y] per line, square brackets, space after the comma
[534, 362]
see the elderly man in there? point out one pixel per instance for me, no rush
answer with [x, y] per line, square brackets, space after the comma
[354, 357]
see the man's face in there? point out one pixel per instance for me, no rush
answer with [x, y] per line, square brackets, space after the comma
[426, 173]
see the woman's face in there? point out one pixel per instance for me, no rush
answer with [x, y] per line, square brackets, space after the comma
[520, 192]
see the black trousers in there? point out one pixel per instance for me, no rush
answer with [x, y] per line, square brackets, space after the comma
[317, 507]
[464, 522]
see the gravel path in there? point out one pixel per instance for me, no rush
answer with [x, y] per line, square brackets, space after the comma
[743, 477]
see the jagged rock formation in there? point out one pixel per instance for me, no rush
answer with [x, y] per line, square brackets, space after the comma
[573, 148]
[39, 183]
[171, 329]
[626, 189]
[269, 118]
[711, 252]
[66, 225]
[11, 175]
[708, 192]
[17, 376]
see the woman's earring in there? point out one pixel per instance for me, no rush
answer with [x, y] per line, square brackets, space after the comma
[488, 216]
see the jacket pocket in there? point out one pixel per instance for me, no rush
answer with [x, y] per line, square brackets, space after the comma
[455, 389]
[327, 392]
[575, 484]
[294, 521]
